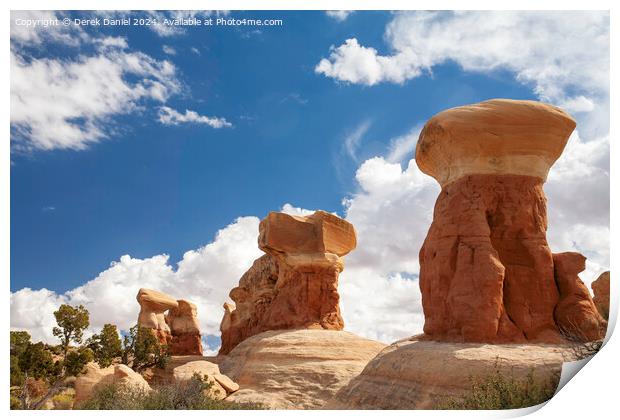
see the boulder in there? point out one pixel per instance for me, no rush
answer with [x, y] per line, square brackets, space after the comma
[296, 369]
[600, 287]
[185, 329]
[486, 271]
[221, 385]
[421, 374]
[94, 376]
[153, 305]
[125, 376]
[576, 314]
[86, 382]
[295, 285]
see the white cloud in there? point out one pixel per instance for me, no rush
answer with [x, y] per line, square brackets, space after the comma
[339, 15]
[353, 140]
[31, 27]
[169, 50]
[555, 52]
[401, 148]
[169, 116]
[66, 103]
[204, 276]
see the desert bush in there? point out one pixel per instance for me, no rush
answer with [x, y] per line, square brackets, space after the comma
[63, 401]
[187, 395]
[501, 390]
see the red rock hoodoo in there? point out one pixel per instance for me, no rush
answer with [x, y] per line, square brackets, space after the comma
[295, 285]
[486, 271]
[178, 328]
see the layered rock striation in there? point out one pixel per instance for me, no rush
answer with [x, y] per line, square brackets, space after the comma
[486, 271]
[296, 369]
[295, 285]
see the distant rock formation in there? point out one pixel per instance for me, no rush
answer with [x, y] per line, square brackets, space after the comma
[295, 285]
[600, 286]
[296, 369]
[185, 329]
[179, 328]
[153, 306]
[420, 374]
[486, 270]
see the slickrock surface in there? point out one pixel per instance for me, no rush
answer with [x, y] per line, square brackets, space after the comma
[94, 376]
[415, 374]
[600, 286]
[486, 270]
[153, 305]
[296, 368]
[295, 285]
[185, 329]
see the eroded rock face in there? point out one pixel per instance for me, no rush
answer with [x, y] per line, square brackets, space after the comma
[486, 270]
[296, 369]
[600, 286]
[576, 314]
[295, 285]
[153, 307]
[185, 329]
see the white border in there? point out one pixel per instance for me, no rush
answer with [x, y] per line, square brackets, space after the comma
[592, 394]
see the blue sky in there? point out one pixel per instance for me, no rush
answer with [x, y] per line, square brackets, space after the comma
[300, 132]
[152, 189]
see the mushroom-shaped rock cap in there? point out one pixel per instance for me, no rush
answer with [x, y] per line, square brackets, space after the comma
[500, 136]
[320, 232]
[156, 301]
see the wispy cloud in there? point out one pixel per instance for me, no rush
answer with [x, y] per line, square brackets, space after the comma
[339, 15]
[169, 50]
[169, 116]
[353, 140]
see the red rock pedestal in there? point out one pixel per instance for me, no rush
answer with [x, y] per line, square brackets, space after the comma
[296, 284]
[486, 271]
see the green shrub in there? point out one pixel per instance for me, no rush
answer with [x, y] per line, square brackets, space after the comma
[501, 391]
[63, 401]
[189, 395]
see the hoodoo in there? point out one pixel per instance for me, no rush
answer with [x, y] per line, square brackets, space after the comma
[174, 322]
[295, 285]
[486, 271]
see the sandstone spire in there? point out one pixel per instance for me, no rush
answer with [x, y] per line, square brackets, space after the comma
[295, 284]
[486, 270]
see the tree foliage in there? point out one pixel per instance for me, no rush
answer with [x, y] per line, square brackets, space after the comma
[106, 345]
[142, 349]
[72, 321]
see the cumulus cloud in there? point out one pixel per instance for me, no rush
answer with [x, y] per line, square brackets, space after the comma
[65, 103]
[203, 276]
[169, 116]
[554, 52]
